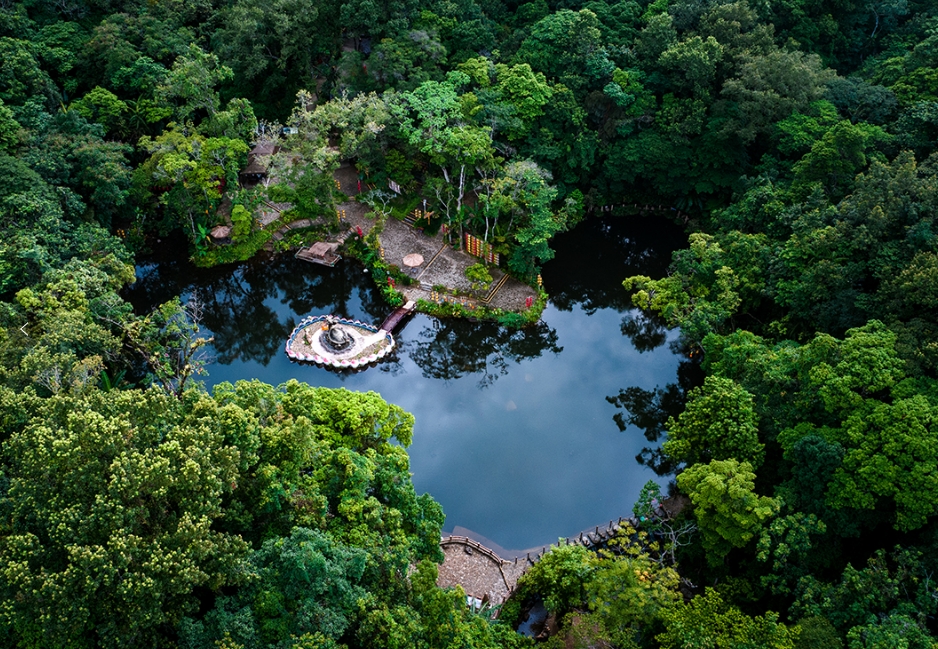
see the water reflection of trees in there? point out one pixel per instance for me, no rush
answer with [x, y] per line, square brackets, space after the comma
[594, 258]
[452, 349]
[242, 304]
[649, 410]
[646, 331]
[250, 309]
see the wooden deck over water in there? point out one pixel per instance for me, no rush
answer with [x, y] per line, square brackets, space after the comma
[320, 253]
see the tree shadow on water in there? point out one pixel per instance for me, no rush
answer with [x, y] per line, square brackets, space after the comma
[242, 311]
[451, 349]
[594, 258]
[644, 330]
[252, 307]
[649, 410]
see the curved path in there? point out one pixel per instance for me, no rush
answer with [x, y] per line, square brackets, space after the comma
[485, 575]
[481, 573]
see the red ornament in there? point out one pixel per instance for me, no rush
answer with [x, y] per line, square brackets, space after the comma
[528, 302]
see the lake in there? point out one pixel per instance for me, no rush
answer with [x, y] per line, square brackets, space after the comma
[514, 435]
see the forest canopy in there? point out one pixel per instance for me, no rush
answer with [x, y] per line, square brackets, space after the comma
[794, 141]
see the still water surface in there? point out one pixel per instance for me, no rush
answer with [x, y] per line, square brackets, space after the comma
[514, 436]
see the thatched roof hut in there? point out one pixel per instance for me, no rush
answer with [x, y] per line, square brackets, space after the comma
[257, 162]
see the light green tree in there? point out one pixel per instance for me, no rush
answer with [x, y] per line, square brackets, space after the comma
[567, 46]
[525, 91]
[692, 63]
[9, 129]
[701, 297]
[70, 326]
[192, 84]
[196, 169]
[628, 594]
[892, 454]
[729, 512]
[521, 193]
[837, 156]
[102, 106]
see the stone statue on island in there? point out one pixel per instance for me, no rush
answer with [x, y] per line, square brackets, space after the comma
[333, 336]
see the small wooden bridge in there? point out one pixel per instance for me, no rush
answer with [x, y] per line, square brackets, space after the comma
[394, 320]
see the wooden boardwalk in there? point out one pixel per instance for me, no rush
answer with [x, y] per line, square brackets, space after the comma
[484, 574]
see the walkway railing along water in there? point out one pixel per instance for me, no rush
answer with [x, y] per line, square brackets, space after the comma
[485, 575]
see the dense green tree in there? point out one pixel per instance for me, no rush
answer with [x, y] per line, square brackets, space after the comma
[10, 130]
[190, 480]
[357, 124]
[101, 106]
[810, 200]
[705, 292]
[41, 228]
[836, 158]
[628, 596]
[691, 65]
[23, 82]
[769, 87]
[72, 154]
[856, 430]
[71, 326]
[560, 578]
[301, 585]
[108, 514]
[523, 194]
[432, 120]
[890, 455]
[567, 46]
[889, 586]
[817, 633]
[336, 469]
[895, 630]
[274, 48]
[788, 544]
[707, 622]
[188, 171]
[718, 423]
[191, 84]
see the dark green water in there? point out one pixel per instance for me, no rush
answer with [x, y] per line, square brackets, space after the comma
[514, 436]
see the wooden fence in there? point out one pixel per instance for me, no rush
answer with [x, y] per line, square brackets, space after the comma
[478, 248]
